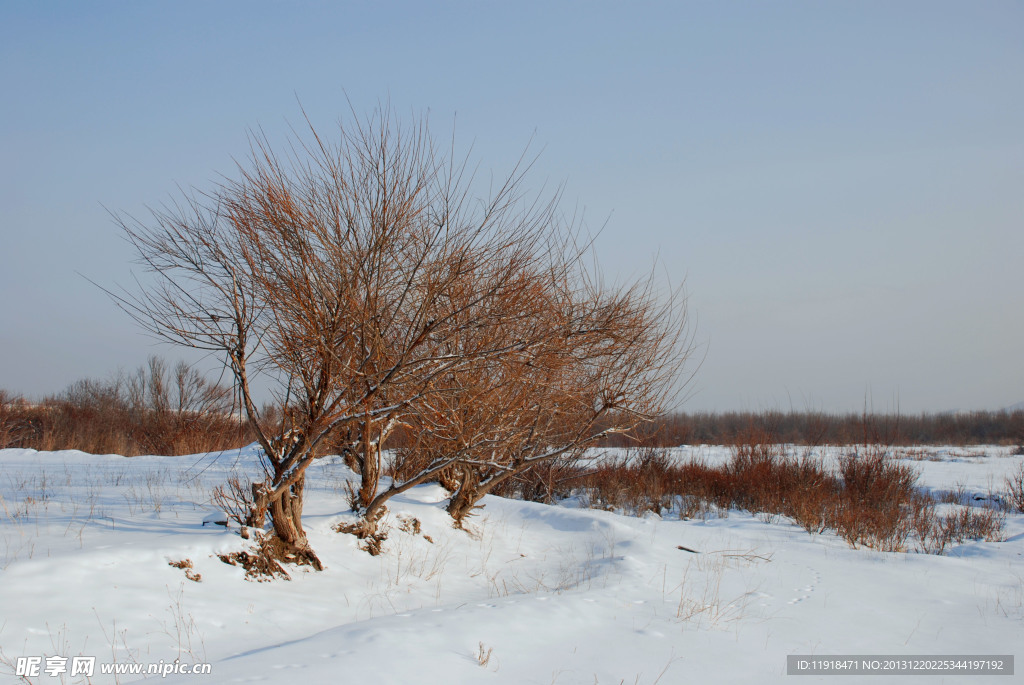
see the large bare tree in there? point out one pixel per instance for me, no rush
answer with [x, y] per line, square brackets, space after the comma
[366, 284]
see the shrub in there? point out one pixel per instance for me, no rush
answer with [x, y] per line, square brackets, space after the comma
[1015, 489]
[155, 410]
[870, 500]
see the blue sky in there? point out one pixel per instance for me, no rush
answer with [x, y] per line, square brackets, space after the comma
[840, 184]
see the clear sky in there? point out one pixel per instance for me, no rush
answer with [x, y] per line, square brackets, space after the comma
[840, 184]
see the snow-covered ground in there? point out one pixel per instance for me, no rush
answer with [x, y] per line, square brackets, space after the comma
[531, 594]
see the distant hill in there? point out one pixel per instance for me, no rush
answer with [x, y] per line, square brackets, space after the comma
[1016, 407]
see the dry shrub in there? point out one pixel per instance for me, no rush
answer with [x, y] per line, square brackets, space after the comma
[874, 477]
[870, 500]
[545, 482]
[759, 478]
[1015, 489]
[643, 480]
[155, 410]
[970, 523]
[877, 500]
[15, 421]
[957, 495]
[235, 498]
[935, 533]
[883, 527]
[926, 525]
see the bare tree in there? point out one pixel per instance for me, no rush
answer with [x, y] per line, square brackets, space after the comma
[606, 363]
[354, 279]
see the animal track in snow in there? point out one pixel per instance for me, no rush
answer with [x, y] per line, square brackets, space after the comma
[805, 591]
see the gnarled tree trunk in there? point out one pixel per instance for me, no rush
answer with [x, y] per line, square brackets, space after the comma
[285, 509]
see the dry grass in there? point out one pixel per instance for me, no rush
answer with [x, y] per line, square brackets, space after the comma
[483, 655]
[186, 566]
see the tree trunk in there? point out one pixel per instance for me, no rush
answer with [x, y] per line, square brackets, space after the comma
[371, 467]
[286, 516]
[465, 497]
[290, 544]
[353, 461]
[260, 502]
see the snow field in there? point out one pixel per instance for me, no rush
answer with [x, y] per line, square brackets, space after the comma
[532, 593]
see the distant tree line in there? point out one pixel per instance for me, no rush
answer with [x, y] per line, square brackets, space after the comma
[160, 409]
[815, 428]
